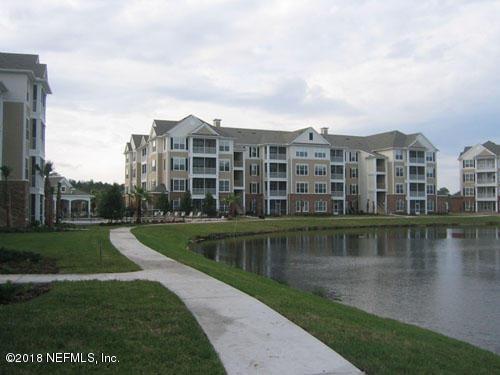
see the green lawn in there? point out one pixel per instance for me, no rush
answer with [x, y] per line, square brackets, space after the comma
[74, 251]
[374, 344]
[145, 326]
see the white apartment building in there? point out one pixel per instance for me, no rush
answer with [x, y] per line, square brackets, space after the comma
[24, 87]
[479, 177]
[284, 172]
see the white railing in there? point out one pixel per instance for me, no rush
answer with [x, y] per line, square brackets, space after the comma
[417, 193]
[337, 193]
[417, 177]
[417, 160]
[337, 159]
[276, 156]
[204, 150]
[204, 170]
[337, 176]
[277, 193]
[277, 174]
[203, 191]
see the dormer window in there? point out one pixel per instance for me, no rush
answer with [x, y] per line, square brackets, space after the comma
[63, 189]
[311, 136]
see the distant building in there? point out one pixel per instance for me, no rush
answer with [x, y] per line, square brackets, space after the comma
[24, 87]
[479, 177]
[74, 203]
[276, 172]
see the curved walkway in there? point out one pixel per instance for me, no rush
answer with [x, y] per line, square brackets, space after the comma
[249, 336]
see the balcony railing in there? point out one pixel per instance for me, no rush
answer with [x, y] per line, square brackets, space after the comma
[486, 181]
[277, 156]
[238, 163]
[337, 159]
[337, 176]
[204, 170]
[486, 195]
[381, 185]
[417, 194]
[238, 183]
[485, 166]
[417, 160]
[277, 193]
[417, 177]
[204, 150]
[277, 174]
[336, 193]
[203, 191]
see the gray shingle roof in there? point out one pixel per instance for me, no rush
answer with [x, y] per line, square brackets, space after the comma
[2, 87]
[21, 61]
[136, 140]
[163, 126]
[258, 136]
[493, 147]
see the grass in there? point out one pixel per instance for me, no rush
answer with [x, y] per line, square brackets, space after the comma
[375, 345]
[14, 261]
[74, 251]
[145, 326]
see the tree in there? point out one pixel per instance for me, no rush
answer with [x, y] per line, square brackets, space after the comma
[45, 171]
[139, 194]
[232, 201]
[443, 191]
[111, 204]
[186, 203]
[163, 203]
[209, 205]
[6, 170]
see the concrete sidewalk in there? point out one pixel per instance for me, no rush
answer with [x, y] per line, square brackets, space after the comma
[248, 336]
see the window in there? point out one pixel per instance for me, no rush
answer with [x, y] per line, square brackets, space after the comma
[400, 172]
[224, 145]
[430, 157]
[469, 192]
[398, 155]
[63, 189]
[254, 152]
[468, 163]
[224, 165]
[320, 206]
[353, 189]
[430, 205]
[301, 153]
[431, 172]
[176, 204]
[178, 185]
[254, 169]
[320, 188]
[400, 205]
[302, 206]
[354, 172]
[164, 144]
[33, 133]
[468, 206]
[302, 187]
[144, 168]
[301, 170]
[164, 164]
[254, 188]
[153, 165]
[179, 164]
[224, 186]
[353, 156]
[468, 177]
[153, 145]
[320, 170]
[431, 189]
[178, 143]
[320, 154]
[400, 189]
[144, 151]
[311, 136]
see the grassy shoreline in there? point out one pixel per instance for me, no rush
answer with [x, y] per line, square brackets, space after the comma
[374, 344]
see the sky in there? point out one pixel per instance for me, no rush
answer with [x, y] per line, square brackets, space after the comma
[357, 67]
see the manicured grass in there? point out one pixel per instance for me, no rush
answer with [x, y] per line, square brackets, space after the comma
[146, 327]
[75, 251]
[376, 345]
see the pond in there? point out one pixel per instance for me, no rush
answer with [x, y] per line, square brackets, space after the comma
[443, 279]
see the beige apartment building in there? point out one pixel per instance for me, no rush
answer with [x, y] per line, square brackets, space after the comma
[24, 87]
[284, 172]
[479, 177]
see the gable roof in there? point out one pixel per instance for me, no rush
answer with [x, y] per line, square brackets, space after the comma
[163, 126]
[135, 140]
[25, 62]
[493, 147]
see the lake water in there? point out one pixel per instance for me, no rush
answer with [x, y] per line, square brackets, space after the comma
[444, 279]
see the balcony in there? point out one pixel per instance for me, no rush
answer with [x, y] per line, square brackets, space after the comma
[337, 159]
[204, 170]
[277, 156]
[381, 186]
[238, 184]
[277, 193]
[338, 194]
[204, 150]
[486, 181]
[417, 177]
[417, 160]
[337, 176]
[204, 191]
[238, 163]
[417, 194]
[278, 174]
[485, 165]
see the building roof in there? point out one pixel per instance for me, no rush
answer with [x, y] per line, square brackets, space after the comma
[163, 126]
[392, 139]
[259, 136]
[493, 147]
[2, 87]
[24, 62]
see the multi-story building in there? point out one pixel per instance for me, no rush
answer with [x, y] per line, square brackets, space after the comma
[479, 177]
[23, 90]
[284, 172]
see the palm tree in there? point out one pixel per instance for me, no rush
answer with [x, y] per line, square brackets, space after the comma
[140, 194]
[45, 171]
[232, 201]
[6, 170]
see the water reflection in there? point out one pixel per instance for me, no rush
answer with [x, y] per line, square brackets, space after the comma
[445, 279]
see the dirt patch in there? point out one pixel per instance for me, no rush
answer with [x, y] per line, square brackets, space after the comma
[16, 293]
[15, 262]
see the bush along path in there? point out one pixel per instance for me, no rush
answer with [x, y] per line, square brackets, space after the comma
[248, 336]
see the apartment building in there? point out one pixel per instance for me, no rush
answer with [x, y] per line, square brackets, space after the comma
[24, 88]
[284, 172]
[479, 177]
